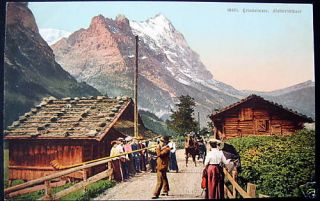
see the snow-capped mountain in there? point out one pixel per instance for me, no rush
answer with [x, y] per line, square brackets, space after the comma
[53, 35]
[185, 64]
[103, 55]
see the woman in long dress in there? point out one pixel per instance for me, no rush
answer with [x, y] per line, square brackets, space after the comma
[214, 162]
[173, 165]
[116, 164]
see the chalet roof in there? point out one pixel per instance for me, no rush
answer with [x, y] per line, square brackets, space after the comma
[69, 118]
[259, 98]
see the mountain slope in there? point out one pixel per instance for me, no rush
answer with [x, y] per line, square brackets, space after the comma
[30, 69]
[301, 100]
[103, 55]
[279, 92]
[299, 97]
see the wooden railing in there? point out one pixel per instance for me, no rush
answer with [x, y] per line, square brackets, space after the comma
[236, 188]
[45, 182]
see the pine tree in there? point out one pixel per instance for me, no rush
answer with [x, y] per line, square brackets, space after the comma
[182, 120]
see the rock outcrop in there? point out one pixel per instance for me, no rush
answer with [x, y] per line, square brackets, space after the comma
[103, 55]
[30, 69]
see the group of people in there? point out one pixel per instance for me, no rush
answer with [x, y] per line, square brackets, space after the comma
[130, 164]
[162, 159]
[213, 175]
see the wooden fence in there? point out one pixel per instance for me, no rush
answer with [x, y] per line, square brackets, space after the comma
[236, 188]
[46, 184]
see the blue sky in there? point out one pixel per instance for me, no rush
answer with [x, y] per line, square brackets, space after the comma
[248, 50]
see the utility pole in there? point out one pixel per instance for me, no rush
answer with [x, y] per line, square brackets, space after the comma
[199, 121]
[136, 134]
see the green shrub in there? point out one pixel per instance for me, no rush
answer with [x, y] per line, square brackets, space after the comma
[278, 165]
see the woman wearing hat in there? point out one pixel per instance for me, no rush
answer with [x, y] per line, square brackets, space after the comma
[162, 151]
[214, 165]
[116, 165]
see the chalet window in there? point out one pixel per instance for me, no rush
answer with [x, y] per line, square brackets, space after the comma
[246, 114]
[262, 125]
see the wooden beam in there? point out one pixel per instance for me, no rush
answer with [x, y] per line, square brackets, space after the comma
[20, 167]
[242, 192]
[234, 176]
[68, 171]
[80, 185]
[47, 190]
[228, 192]
[34, 188]
[251, 190]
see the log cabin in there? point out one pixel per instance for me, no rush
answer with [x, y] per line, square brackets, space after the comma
[70, 131]
[256, 116]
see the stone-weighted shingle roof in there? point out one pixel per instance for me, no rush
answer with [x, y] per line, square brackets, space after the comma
[253, 96]
[73, 118]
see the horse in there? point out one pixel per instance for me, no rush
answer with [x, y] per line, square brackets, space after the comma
[231, 153]
[191, 147]
[202, 150]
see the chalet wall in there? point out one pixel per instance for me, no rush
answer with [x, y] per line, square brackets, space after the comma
[31, 159]
[256, 121]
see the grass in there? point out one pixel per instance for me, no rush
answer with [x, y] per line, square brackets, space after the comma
[38, 194]
[5, 165]
[92, 190]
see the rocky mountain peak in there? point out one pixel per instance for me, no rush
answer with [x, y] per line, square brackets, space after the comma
[161, 19]
[98, 21]
[30, 69]
[19, 14]
[122, 19]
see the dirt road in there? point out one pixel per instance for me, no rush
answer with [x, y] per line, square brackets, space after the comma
[183, 185]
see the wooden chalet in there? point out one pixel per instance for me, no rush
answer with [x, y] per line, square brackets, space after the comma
[70, 131]
[256, 116]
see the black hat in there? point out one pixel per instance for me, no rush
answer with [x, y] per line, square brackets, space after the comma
[165, 139]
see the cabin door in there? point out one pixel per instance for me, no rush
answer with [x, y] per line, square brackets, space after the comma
[262, 126]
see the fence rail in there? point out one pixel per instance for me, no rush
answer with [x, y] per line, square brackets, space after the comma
[236, 188]
[45, 182]
[25, 187]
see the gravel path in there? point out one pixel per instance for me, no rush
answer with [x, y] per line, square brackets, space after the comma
[183, 185]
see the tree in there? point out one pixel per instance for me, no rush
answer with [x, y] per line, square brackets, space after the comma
[182, 120]
[204, 131]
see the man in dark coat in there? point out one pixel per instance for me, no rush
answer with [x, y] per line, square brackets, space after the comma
[136, 155]
[162, 151]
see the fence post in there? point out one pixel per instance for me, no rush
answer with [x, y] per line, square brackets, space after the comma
[251, 190]
[85, 176]
[225, 192]
[48, 192]
[234, 176]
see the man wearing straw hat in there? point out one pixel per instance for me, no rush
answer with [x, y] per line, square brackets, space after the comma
[162, 151]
